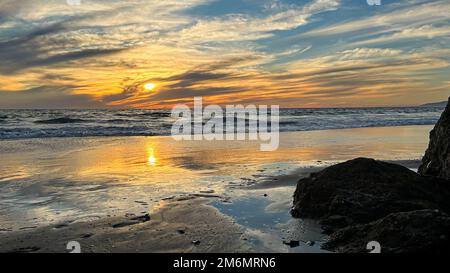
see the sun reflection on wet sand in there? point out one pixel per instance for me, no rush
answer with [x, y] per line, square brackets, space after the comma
[85, 176]
[151, 157]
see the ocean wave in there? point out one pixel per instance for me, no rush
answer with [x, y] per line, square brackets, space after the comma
[21, 124]
[60, 121]
[117, 120]
[22, 133]
[146, 114]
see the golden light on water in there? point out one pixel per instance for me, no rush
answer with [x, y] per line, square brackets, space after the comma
[150, 86]
[152, 160]
[151, 157]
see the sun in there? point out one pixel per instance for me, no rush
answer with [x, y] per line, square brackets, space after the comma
[149, 86]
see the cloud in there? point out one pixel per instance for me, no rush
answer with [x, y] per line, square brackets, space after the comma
[405, 16]
[46, 97]
[369, 74]
[102, 53]
[240, 27]
[36, 49]
[186, 84]
[422, 32]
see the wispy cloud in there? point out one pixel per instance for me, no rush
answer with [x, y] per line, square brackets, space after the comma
[313, 53]
[398, 19]
[425, 32]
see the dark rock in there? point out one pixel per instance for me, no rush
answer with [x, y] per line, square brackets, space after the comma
[436, 161]
[142, 219]
[330, 224]
[364, 190]
[62, 225]
[195, 242]
[365, 200]
[26, 249]
[310, 243]
[292, 243]
[133, 221]
[30, 227]
[425, 231]
[125, 224]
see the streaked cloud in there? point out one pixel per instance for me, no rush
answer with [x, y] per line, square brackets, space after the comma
[296, 53]
[405, 16]
[422, 32]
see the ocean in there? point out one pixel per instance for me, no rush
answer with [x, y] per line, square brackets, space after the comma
[19, 124]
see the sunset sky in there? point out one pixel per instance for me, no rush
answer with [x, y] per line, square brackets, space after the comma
[158, 53]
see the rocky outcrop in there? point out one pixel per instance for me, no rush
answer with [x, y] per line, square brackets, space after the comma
[362, 190]
[424, 231]
[354, 196]
[436, 161]
[365, 200]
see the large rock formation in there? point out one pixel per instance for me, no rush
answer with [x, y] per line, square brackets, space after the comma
[364, 199]
[425, 231]
[363, 190]
[436, 161]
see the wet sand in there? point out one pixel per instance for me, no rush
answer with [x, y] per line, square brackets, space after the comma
[183, 225]
[228, 196]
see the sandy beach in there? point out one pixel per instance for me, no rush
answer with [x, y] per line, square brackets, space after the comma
[153, 194]
[183, 225]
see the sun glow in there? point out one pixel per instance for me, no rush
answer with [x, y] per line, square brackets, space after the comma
[150, 86]
[151, 157]
[152, 160]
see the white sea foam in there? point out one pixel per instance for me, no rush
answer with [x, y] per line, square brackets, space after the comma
[81, 123]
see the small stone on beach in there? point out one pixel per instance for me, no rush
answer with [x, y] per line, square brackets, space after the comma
[292, 243]
[181, 231]
[143, 218]
[133, 221]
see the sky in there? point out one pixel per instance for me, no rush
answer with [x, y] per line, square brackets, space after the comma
[160, 53]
